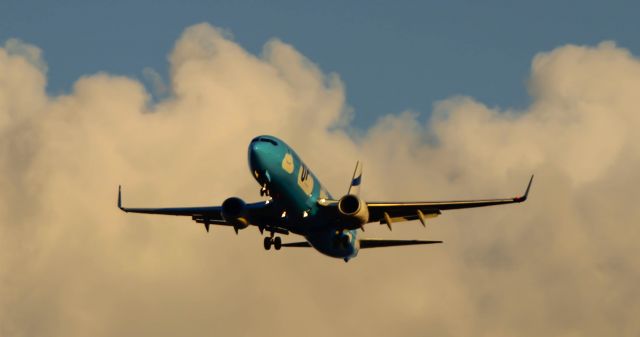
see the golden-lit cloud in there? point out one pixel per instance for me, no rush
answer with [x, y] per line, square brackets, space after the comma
[562, 264]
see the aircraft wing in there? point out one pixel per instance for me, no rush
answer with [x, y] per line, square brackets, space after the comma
[207, 215]
[385, 212]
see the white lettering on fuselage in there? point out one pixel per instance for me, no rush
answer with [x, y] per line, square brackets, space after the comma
[305, 180]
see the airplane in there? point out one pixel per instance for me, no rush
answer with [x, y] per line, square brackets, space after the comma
[298, 203]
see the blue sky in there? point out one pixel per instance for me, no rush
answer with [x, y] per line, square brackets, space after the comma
[391, 57]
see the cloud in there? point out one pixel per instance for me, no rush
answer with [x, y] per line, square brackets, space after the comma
[155, 80]
[562, 264]
[26, 52]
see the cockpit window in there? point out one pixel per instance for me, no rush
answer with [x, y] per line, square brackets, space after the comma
[269, 141]
[266, 140]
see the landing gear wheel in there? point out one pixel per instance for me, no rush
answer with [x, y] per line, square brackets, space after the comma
[264, 191]
[267, 243]
[277, 243]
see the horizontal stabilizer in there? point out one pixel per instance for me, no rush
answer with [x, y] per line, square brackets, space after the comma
[375, 243]
[297, 244]
[371, 243]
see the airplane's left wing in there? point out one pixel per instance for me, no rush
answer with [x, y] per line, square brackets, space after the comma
[387, 212]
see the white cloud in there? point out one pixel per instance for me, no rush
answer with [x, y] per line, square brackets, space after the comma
[27, 52]
[561, 264]
[155, 80]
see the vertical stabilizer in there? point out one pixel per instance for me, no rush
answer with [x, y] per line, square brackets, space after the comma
[354, 188]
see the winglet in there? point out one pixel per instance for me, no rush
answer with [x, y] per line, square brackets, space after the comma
[526, 193]
[120, 197]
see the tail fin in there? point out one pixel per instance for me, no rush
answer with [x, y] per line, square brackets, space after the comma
[354, 188]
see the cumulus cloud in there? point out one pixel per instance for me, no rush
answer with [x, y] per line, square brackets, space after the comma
[151, 76]
[71, 264]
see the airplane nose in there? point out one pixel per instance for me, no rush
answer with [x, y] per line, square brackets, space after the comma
[262, 152]
[256, 151]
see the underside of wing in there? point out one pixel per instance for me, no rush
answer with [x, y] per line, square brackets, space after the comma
[384, 212]
[376, 243]
[256, 212]
[212, 212]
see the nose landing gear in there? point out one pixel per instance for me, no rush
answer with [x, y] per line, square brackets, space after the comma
[264, 191]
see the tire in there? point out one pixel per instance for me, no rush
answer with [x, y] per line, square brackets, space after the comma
[267, 243]
[277, 243]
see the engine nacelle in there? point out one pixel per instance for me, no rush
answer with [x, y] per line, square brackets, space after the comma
[234, 212]
[354, 211]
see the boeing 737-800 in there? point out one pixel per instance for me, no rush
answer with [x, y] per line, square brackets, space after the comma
[297, 203]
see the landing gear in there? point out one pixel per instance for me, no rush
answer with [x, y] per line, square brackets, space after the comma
[264, 191]
[269, 241]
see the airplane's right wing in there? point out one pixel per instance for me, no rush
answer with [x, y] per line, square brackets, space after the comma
[257, 212]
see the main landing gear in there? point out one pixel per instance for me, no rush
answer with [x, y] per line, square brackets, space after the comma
[269, 241]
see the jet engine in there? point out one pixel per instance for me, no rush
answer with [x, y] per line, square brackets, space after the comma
[354, 211]
[234, 212]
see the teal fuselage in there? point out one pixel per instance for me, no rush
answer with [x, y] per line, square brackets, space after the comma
[295, 190]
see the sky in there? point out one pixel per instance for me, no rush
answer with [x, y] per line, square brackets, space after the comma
[391, 57]
[79, 115]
